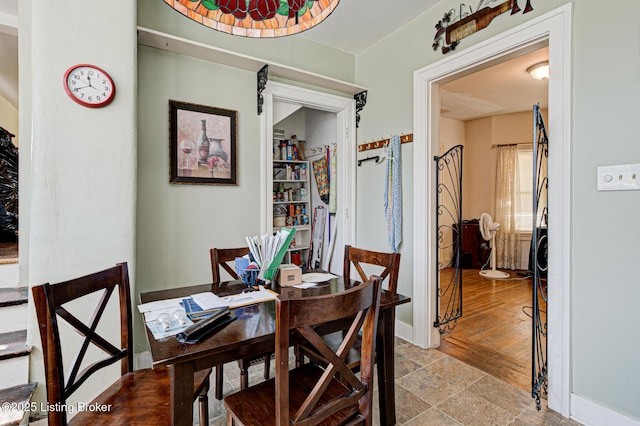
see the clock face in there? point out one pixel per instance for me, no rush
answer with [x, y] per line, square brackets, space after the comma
[89, 86]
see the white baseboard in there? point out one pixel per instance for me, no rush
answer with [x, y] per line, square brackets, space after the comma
[404, 331]
[591, 414]
[142, 360]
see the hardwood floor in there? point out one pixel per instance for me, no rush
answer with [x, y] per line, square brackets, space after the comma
[494, 332]
[8, 252]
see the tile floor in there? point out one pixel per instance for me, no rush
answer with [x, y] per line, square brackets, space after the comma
[432, 389]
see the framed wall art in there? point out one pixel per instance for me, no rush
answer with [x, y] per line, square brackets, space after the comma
[203, 146]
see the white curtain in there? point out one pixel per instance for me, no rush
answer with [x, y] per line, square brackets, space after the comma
[508, 251]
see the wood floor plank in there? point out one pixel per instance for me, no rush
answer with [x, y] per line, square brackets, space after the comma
[8, 252]
[494, 332]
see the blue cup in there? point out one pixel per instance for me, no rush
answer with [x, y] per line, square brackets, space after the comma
[241, 264]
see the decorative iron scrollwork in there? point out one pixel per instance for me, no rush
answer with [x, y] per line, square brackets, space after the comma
[361, 101]
[263, 77]
[539, 381]
[8, 184]
[449, 237]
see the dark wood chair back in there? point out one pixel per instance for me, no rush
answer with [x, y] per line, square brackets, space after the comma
[221, 258]
[389, 262]
[338, 393]
[49, 300]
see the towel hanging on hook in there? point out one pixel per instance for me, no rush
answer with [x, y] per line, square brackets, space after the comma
[393, 193]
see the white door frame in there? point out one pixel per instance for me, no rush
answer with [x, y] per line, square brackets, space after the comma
[554, 29]
[345, 110]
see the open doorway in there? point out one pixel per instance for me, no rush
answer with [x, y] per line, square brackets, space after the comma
[483, 113]
[551, 29]
[326, 123]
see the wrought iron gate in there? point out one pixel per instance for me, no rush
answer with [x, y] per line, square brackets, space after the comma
[449, 237]
[538, 259]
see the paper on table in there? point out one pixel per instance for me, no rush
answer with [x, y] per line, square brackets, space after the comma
[208, 300]
[306, 285]
[242, 299]
[160, 304]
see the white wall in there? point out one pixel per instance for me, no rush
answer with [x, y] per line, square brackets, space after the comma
[80, 162]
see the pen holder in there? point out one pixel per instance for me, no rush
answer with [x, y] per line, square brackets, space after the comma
[250, 277]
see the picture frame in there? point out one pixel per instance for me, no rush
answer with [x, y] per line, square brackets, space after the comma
[203, 148]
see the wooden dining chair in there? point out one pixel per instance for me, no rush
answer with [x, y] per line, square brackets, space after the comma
[384, 265]
[311, 394]
[137, 397]
[224, 258]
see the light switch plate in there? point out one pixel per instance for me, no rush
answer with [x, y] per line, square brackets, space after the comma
[621, 177]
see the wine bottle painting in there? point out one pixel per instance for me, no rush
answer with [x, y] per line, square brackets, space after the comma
[203, 144]
[458, 24]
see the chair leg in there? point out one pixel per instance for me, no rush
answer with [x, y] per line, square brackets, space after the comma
[267, 366]
[203, 405]
[219, 379]
[299, 356]
[244, 374]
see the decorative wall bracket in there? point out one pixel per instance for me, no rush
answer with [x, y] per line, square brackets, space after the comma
[263, 77]
[361, 101]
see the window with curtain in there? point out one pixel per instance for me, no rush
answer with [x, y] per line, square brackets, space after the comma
[508, 203]
[524, 196]
[514, 202]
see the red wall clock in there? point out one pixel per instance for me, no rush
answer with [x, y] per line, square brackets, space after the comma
[89, 85]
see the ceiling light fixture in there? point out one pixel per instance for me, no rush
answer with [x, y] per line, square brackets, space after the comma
[256, 18]
[539, 71]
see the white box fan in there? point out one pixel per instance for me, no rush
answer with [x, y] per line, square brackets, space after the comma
[488, 229]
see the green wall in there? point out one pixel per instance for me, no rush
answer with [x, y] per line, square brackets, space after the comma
[604, 286]
[293, 51]
[177, 224]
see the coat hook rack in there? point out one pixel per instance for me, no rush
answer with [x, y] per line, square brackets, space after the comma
[384, 142]
[377, 158]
